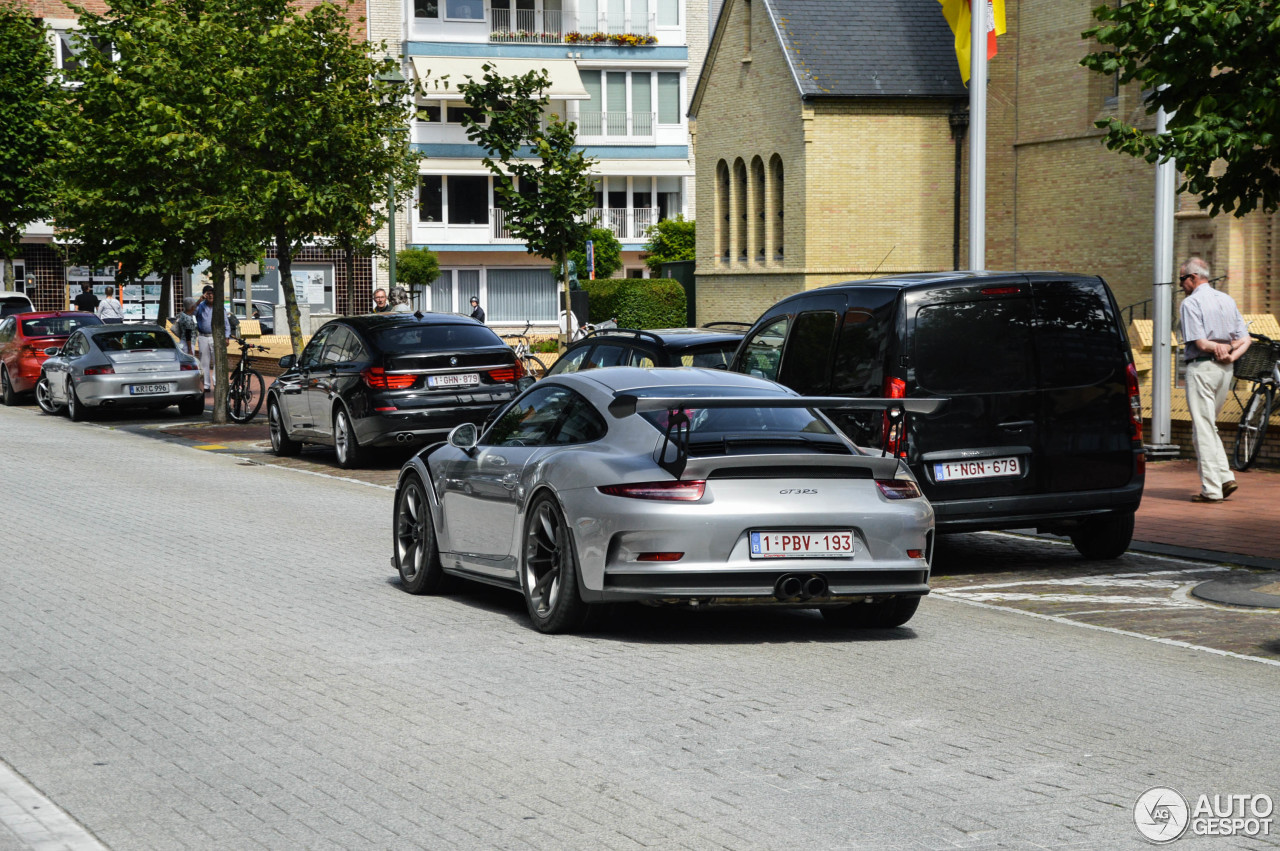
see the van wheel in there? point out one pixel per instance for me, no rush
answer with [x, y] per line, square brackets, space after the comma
[1104, 537]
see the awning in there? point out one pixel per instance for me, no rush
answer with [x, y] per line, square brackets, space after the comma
[441, 75]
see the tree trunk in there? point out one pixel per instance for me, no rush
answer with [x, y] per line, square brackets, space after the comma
[8, 284]
[349, 247]
[567, 336]
[218, 323]
[284, 257]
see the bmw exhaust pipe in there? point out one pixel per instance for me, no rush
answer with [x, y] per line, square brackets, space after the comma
[789, 587]
[815, 586]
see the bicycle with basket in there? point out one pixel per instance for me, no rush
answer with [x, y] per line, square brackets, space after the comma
[1260, 365]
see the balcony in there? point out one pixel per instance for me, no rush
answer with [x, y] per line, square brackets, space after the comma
[526, 26]
[596, 128]
[553, 26]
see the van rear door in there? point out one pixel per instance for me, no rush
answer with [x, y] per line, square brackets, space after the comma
[1083, 355]
[973, 343]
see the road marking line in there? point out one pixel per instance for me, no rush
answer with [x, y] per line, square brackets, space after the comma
[210, 446]
[267, 465]
[1172, 642]
[36, 821]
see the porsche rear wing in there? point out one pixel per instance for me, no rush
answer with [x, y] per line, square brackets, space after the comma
[628, 404]
[676, 434]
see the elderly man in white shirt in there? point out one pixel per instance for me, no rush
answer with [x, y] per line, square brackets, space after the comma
[1214, 336]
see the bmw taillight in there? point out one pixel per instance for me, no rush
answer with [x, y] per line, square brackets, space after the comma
[674, 491]
[898, 488]
[377, 378]
[508, 374]
[1135, 403]
[894, 388]
[99, 370]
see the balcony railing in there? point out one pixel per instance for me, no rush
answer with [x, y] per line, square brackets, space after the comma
[527, 26]
[616, 126]
[624, 222]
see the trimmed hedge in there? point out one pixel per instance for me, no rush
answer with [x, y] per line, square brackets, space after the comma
[637, 302]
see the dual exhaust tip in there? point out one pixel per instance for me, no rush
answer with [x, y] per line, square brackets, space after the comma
[798, 586]
[405, 437]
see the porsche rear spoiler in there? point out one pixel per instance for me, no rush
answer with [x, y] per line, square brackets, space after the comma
[676, 434]
[628, 404]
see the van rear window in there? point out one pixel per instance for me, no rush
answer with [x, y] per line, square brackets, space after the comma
[1077, 339]
[981, 346]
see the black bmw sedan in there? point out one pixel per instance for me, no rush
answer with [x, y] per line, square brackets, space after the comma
[389, 379]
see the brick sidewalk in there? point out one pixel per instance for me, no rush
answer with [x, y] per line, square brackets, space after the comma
[1248, 523]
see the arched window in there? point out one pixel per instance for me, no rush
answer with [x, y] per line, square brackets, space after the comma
[738, 200]
[779, 204]
[722, 211]
[755, 241]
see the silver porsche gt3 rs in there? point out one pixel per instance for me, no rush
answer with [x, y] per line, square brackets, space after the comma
[667, 486]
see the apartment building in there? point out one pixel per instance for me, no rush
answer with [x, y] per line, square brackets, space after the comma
[621, 70]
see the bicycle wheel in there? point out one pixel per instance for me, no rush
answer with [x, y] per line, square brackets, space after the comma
[534, 367]
[1252, 430]
[244, 395]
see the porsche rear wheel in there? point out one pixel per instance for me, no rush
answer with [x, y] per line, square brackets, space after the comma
[417, 553]
[549, 571]
[879, 614]
[75, 408]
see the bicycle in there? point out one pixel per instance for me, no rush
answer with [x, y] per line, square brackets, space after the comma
[245, 386]
[531, 364]
[1260, 365]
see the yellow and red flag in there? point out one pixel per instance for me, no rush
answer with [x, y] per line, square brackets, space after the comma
[958, 18]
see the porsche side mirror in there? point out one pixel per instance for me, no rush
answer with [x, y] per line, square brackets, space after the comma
[52, 352]
[465, 437]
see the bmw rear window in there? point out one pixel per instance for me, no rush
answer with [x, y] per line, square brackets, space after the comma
[435, 338]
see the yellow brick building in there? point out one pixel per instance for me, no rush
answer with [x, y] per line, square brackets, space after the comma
[853, 101]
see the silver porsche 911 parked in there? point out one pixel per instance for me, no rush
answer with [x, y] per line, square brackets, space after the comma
[119, 366]
[667, 486]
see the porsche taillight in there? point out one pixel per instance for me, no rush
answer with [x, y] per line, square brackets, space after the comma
[673, 491]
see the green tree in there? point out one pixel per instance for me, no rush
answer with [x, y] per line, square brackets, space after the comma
[1214, 66]
[29, 101]
[669, 240]
[417, 267]
[607, 251]
[149, 174]
[548, 210]
[326, 134]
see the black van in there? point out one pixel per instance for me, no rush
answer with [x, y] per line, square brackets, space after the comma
[1043, 424]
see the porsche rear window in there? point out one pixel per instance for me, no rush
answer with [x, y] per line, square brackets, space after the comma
[713, 422]
[132, 341]
[435, 338]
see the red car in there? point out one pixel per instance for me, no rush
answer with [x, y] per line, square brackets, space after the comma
[23, 339]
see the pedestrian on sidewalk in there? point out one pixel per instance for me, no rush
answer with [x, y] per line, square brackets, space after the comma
[109, 310]
[1214, 336]
[380, 304]
[86, 300]
[204, 333]
[400, 300]
[477, 312]
[184, 326]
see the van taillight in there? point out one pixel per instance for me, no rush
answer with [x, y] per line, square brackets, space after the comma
[377, 378]
[1135, 403]
[508, 373]
[894, 388]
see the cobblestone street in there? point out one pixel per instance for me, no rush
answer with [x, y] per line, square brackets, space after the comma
[200, 653]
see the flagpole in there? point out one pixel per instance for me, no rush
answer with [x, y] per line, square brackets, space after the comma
[1162, 302]
[977, 134]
